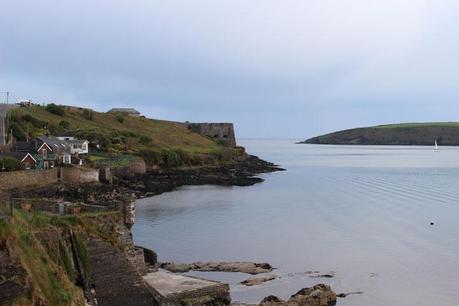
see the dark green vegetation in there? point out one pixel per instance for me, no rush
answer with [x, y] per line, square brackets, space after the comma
[161, 143]
[9, 164]
[40, 245]
[445, 133]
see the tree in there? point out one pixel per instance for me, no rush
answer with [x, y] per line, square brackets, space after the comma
[9, 164]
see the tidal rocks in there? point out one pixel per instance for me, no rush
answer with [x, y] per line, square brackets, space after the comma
[237, 266]
[319, 295]
[343, 295]
[258, 280]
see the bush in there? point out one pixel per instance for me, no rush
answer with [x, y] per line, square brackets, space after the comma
[18, 132]
[151, 156]
[9, 164]
[64, 124]
[120, 118]
[145, 140]
[172, 158]
[88, 114]
[55, 109]
[35, 122]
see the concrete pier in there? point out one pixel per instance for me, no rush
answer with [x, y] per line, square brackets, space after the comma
[177, 289]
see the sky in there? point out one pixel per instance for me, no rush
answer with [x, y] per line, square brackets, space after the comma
[276, 69]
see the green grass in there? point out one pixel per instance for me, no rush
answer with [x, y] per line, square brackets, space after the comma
[161, 143]
[417, 124]
[133, 133]
[49, 281]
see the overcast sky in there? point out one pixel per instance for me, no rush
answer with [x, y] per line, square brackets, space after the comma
[275, 68]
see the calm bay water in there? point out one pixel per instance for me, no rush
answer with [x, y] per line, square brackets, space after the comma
[362, 212]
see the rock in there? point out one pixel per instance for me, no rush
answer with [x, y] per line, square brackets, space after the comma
[237, 266]
[319, 295]
[271, 299]
[258, 280]
[343, 295]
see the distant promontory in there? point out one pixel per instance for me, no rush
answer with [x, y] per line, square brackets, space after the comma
[445, 133]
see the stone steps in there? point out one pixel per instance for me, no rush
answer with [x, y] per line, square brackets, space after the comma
[115, 281]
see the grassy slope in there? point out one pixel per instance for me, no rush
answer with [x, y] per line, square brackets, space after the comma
[163, 134]
[49, 281]
[446, 133]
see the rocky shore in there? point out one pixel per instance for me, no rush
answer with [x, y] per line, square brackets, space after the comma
[156, 286]
[156, 181]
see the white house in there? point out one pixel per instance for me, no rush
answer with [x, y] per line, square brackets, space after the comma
[78, 146]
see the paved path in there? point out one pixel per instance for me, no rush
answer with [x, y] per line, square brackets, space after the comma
[3, 110]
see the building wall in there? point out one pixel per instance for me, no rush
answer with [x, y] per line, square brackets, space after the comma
[27, 178]
[223, 132]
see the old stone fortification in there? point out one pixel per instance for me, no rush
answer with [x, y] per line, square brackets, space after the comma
[20, 179]
[223, 132]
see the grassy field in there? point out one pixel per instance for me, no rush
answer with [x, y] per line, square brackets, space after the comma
[134, 133]
[159, 142]
[425, 133]
[418, 124]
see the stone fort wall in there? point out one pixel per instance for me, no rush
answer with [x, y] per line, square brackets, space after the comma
[223, 132]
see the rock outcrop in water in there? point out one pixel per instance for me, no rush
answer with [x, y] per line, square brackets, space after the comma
[225, 266]
[319, 295]
[258, 280]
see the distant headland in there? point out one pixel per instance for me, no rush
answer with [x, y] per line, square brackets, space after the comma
[423, 134]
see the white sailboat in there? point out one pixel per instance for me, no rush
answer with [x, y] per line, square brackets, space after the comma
[436, 145]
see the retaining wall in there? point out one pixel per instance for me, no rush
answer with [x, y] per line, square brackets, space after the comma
[28, 178]
[79, 175]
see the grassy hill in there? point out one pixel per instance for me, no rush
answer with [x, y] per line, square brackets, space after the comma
[159, 142]
[445, 133]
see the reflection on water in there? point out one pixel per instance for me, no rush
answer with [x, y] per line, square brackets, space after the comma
[361, 212]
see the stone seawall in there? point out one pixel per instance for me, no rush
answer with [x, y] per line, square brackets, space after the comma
[28, 178]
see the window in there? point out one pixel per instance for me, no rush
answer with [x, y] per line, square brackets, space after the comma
[27, 166]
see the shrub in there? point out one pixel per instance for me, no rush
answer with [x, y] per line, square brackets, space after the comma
[18, 132]
[172, 158]
[120, 118]
[55, 109]
[35, 122]
[151, 156]
[88, 114]
[145, 140]
[64, 124]
[9, 164]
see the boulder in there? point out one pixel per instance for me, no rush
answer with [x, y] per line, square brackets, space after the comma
[318, 295]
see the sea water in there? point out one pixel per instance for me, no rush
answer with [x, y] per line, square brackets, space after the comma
[362, 213]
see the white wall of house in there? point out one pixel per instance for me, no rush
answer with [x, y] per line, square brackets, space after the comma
[77, 148]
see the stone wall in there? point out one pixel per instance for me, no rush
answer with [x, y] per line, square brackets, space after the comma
[28, 178]
[74, 175]
[223, 132]
[134, 167]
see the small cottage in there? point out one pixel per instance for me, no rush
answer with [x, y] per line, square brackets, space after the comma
[25, 159]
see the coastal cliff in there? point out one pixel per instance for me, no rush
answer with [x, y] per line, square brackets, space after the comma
[423, 134]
